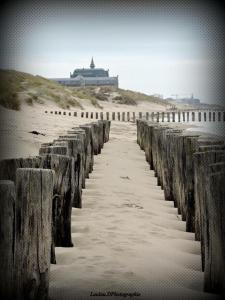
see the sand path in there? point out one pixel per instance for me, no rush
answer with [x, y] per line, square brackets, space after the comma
[127, 238]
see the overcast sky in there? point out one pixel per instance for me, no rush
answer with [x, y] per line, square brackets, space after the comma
[154, 49]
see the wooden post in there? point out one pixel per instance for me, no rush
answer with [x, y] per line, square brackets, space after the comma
[157, 117]
[173, 116]
[33, 207]
[210, 116]
[205, 117]
[187, 116]
[168, 116]
[7, 248]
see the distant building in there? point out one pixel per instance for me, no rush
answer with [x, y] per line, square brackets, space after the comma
[89, 77]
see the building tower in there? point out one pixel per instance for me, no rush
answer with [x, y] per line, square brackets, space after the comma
[92, 65]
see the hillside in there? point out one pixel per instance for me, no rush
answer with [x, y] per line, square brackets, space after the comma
[17, 88]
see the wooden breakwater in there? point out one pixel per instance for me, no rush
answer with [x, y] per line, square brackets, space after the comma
[37, 196]
[190, 168]
[162, 116]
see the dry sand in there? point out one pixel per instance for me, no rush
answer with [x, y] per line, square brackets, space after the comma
[127, 238]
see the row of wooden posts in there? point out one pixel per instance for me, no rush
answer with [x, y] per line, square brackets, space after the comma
[190, 169]
[168, 116]
[37, 196]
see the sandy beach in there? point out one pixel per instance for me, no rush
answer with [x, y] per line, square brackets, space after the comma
[127, 238]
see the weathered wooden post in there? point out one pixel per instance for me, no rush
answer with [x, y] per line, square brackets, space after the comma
[33, 207]
[193, 116]
[168, 116]
[157, 117]
[123, 116]
[205, 117]
[113, 116]
[96, 115]
[188, 116]
[7, 234]
[173, 116]
[118, 116]
[86, 114]
[210, 116]
[199, 116]
[128, 116]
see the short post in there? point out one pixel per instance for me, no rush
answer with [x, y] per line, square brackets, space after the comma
[205, 117]
[128, 116]
[33, 223]
[173, 116]
[7, 219]
[157, 117]
[168, 117]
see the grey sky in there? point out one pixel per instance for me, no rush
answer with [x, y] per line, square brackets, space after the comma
[152, 49]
